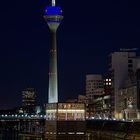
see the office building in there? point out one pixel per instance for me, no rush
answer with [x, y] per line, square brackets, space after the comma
[28, 97]
[129, 98]
[94, 86]
[123, 65]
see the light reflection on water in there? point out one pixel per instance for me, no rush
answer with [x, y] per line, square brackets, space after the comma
[6, 135]
[119, 130]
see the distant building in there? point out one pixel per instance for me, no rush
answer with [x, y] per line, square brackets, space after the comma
[123, 64]
[82, 99]
[94, 86]
[71, 101]
[28, 97]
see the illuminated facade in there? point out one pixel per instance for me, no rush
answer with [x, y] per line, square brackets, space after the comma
[99, 108]
[129, 100]
[53, 16]
[65, 111]
[123, 67]
[65, 121]
[107, 85]
[28, 97]
[94, 86]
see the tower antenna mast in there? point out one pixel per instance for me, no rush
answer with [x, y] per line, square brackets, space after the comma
[53, 2]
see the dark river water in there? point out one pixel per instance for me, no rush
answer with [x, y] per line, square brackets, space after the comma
[95, 130]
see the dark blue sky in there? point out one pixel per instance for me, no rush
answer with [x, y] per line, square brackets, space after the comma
[89, 32]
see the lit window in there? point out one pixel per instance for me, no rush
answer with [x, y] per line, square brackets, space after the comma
[109, 79]
[109, 83]
[106, 79]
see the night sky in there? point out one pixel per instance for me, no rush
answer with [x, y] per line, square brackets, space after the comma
[90, 31]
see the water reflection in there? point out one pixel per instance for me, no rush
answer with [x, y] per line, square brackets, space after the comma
[95, 130]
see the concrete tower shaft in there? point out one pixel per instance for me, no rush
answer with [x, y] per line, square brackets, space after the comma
[53, 17]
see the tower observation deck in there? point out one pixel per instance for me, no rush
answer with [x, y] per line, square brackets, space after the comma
[53, 16]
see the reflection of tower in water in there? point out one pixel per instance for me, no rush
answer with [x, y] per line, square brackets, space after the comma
[53, 16]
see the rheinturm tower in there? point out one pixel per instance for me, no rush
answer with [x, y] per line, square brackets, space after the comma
[53, 16]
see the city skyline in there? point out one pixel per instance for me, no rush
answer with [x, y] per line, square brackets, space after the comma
[112, 25]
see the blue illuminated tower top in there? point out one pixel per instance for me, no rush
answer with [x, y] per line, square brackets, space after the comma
[53, 14]
[53, 9]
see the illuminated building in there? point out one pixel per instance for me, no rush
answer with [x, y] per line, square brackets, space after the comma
[65, 120]
[53, 16]
[98, 103]
[28, 97]
[94, 86]
[99, 108]
[71, 101]
[107, 85]
[123, 66]
[82, 99]
[129, 98]
[65, 111]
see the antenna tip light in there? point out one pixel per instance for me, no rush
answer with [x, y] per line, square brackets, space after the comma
[53, 2]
